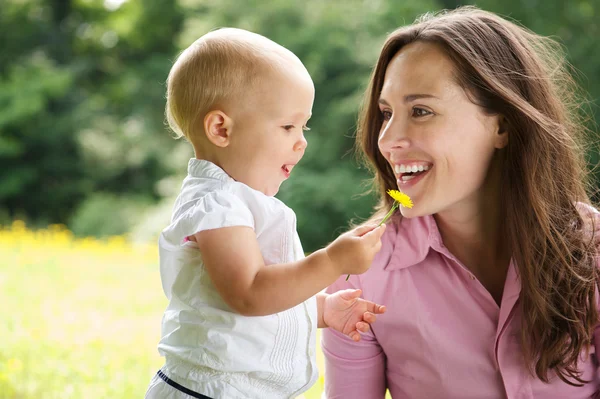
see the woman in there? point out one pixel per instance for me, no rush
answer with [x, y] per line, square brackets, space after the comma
[490, 280]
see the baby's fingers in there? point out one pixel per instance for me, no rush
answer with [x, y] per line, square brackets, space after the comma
[363, 327]
[375, 308]
[362, 230]
[354, 335]
[374, 236]
[369, 317]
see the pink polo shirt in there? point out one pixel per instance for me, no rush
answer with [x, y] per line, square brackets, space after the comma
[443, 335]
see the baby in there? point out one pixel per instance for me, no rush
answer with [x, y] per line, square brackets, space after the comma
[244, 301]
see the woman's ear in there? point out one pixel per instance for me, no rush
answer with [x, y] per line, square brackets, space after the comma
[217, 127]
[502, 133]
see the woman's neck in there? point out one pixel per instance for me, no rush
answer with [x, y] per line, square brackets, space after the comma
[473, 231]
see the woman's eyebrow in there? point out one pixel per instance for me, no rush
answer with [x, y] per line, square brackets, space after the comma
[412, 97]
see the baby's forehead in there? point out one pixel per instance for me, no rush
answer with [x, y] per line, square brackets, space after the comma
[279, 94]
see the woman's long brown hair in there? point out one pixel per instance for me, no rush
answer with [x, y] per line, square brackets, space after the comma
[508, 70]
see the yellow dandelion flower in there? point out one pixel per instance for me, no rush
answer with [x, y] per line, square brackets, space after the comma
[401, 198]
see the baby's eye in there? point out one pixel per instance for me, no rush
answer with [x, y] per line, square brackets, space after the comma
[387, 115]
[420, 112]
[288, 127]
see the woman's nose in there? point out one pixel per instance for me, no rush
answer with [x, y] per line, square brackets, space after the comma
[393, 136]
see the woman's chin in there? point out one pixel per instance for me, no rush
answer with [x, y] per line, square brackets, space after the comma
[408, 212]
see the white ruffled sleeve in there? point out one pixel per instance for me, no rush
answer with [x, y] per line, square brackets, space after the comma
[214, 210]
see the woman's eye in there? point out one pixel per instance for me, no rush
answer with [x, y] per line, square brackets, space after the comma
[419, 112]
[387, 115]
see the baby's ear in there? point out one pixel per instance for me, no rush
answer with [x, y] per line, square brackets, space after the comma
[502, 133]
[217, 127]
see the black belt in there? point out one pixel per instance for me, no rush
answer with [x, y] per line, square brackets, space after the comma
[179, 387]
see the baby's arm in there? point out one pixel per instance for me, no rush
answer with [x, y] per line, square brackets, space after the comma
[234, 262]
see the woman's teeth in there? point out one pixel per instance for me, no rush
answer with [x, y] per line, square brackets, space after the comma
[409, 172]
[410, 169]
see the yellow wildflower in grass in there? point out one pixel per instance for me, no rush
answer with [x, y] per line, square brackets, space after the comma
[81, 301]
[14, 365]
[399, 199]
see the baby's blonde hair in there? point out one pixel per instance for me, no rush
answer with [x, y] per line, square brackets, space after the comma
[218, 67]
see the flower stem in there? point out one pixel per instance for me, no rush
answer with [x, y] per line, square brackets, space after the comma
[385, 218]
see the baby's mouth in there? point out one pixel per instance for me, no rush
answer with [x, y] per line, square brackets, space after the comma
[287, 169]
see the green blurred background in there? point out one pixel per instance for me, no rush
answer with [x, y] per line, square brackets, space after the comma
[82, 134]
[83, 143]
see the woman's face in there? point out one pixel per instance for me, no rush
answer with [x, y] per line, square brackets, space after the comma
[439, 144]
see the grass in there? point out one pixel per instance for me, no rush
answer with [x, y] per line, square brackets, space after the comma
[80, 317]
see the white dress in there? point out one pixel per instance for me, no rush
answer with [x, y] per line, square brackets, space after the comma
[208, 348]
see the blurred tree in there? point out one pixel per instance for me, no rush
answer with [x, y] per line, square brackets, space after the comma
[82, 97]
[40, 171]
[79, 85]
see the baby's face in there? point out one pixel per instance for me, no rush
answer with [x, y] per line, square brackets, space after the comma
[268, 135]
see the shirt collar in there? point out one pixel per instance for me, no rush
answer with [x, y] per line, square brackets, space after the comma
[414, 239]
[206, 169]
[417, 236]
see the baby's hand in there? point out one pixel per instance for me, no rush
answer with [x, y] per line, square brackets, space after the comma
[353, 252]
[345, 312]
